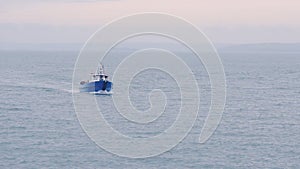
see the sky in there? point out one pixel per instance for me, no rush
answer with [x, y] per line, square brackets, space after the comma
[73, 21]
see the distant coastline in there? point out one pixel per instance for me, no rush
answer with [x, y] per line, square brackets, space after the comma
[261, 47]
[251, 47]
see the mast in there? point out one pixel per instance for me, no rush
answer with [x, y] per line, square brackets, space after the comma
[101, 70]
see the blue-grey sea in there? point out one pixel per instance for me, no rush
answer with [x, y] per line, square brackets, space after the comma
[260, 127]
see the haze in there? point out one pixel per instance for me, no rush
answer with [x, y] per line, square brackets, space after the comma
[73, 21]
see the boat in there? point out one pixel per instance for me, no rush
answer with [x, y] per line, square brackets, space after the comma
[98, 83]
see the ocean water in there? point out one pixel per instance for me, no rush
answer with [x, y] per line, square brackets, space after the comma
[259, 129]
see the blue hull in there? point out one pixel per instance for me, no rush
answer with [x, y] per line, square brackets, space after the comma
[96, 86]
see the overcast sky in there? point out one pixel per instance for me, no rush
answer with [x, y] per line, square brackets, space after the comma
[73, 21]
